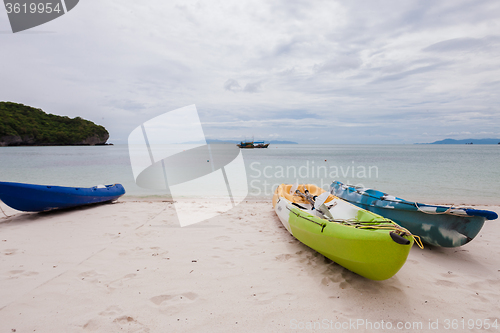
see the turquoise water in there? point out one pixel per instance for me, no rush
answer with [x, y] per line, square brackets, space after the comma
[441, 174]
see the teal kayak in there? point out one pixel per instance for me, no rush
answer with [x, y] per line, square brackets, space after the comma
[436, 225]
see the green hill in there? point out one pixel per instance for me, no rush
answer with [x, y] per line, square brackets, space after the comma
[22, 125]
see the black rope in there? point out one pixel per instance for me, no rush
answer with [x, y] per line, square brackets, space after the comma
[305, 218]
[297, 205]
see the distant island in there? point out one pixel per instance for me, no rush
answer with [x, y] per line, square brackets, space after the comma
[467, 141]
[22, 125]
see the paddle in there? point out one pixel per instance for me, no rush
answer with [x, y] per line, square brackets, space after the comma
[320, 205]
[320, 199]
[306, 196]
[317, 202]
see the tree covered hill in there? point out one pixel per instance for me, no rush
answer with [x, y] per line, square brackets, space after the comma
[22, 125]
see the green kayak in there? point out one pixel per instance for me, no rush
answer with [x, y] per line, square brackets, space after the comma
[361, 241]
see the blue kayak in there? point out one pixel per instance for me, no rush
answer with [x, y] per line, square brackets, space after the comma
[39, 198]
[436, 225]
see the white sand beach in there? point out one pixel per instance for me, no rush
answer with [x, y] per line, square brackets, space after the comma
[130, 267]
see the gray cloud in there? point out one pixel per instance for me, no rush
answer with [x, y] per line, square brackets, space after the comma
[232, 85]
[340, 63]
[463, 44]
[253, 87]
[405, 74]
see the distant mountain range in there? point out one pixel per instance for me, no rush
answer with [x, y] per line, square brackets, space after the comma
[467, 141]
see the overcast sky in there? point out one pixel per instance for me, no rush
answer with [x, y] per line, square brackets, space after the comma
[305, 71]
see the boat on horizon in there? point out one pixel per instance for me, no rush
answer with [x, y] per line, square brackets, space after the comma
[253, 144]
[41, 198]
[444, 226]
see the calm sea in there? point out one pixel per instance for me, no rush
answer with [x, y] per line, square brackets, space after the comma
[441, 174]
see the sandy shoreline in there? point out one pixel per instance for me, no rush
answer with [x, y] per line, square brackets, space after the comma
[249, 199]
[130, 267]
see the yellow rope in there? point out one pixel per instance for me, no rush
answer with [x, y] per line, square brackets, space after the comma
[382, 225]
[418, 241]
